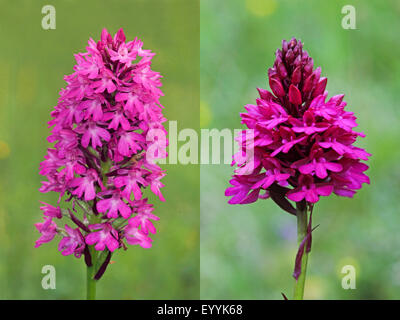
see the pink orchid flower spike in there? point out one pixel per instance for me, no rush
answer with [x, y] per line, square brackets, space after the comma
[98, 164]
[303, 146]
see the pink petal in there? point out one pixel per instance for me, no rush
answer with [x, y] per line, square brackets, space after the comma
[312, 196]
[324, 190]
[307, 168]
[335, 167]
[103, 205]
[112, 244]
[92, 238]
[320, 171]
[296, 195]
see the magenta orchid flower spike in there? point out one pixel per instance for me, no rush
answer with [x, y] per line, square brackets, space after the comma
[104, 129]
[302, 146]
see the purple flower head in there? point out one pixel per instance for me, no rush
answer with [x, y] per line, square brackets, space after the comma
[103, 128]
[303, 143]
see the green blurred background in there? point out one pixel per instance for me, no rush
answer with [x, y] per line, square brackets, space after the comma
[247, 252]
[33, 62]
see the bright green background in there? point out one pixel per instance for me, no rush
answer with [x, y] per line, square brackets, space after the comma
[248, 251]
[33, 62]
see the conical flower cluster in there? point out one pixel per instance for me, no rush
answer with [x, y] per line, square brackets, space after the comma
[103, 129]
[303, 143]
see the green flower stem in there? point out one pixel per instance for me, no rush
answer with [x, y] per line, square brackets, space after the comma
[301, 233]
[90, 273]
[105, 167]
[97, 259]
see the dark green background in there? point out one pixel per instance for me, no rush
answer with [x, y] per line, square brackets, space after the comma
[248, 251]
[33, 62]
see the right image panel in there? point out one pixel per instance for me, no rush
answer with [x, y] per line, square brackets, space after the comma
[300, 177]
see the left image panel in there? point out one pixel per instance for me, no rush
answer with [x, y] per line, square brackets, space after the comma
[94, 201]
